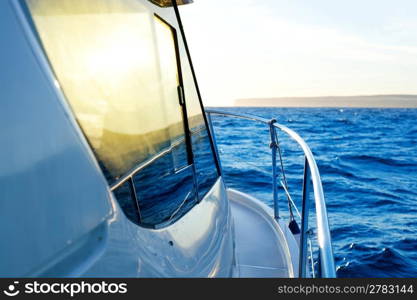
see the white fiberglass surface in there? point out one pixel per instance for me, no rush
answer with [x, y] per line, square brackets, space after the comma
[200, 244]
[264, 248]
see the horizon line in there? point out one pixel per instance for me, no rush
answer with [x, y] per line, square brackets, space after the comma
[329, 96]
[358, 101]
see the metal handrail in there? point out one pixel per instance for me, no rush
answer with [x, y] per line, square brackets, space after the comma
[311, 174]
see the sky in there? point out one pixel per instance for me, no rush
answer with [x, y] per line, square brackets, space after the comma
[290, 48]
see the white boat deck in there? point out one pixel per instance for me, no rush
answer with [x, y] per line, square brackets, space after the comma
[264, 248]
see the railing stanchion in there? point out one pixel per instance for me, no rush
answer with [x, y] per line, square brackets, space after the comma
[274, 147]
[304, 221]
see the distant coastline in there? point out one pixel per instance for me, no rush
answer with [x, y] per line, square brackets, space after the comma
[372, 101]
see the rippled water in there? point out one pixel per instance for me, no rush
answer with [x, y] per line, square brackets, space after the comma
[367, 159]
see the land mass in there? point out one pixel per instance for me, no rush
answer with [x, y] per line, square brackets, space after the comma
[387, 101]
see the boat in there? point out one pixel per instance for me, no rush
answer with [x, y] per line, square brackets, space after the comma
[109, 162]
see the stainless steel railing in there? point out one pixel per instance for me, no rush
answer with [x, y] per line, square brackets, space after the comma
[311, 178]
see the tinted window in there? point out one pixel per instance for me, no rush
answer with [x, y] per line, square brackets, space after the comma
[116, 64]
[163, 196]
[127, 201]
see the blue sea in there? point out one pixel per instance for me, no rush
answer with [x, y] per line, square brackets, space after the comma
[368, 164]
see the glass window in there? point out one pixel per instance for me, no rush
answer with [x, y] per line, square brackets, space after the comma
[116, 64]
[127, 201]
[163, 197]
